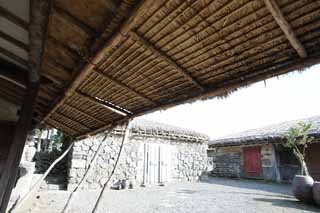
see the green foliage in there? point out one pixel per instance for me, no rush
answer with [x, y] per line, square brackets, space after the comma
[297, 139]
[56, 140]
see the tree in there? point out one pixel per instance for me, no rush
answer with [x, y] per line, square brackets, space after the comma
[297, 139]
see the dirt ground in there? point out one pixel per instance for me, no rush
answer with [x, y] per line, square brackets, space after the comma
[216, 195]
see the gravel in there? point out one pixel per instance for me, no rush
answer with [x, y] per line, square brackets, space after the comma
[216, 195]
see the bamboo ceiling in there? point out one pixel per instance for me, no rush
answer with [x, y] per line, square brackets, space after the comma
[108, 61]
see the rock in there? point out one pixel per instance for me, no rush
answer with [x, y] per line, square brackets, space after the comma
[78, 163]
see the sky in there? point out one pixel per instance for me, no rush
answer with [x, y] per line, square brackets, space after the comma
[288, 97]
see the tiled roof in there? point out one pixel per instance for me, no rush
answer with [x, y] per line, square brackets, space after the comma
[265, 134]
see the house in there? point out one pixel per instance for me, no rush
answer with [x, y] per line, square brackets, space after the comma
[260, 154]
[155, 153]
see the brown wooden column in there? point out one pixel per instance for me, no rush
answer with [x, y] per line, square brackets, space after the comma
[10, 170]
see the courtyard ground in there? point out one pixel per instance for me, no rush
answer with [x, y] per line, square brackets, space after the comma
[215, 195]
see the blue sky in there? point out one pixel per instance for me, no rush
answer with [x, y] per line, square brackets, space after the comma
[292, 96]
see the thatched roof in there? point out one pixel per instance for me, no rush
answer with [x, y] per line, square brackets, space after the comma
[268, 134]
[104, 62]
[142, 127]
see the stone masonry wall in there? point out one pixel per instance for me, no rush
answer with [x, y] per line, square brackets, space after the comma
[226, 162]
[269, 165]
[188, 160]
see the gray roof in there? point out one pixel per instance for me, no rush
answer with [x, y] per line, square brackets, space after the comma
[271, 133]
[147, 127]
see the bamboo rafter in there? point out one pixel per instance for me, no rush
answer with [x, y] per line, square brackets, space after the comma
[104, 104]
[146, 44]
[84, 113]
[118, 83]
[141, 8]
[72, 120]
[285, 27]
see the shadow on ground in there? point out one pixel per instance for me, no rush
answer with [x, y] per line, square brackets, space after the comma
[251, 184]
[289, 204]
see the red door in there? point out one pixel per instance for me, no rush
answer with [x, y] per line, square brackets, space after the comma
[252, 161]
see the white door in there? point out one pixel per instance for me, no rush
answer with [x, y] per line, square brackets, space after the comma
[157, 163]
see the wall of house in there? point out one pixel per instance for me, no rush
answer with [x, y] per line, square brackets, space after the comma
[228, 162]
[188, 159]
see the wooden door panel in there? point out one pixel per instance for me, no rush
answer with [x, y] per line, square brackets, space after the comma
[252, 161]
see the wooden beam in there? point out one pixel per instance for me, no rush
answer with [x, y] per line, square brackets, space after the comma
[13, 81]
[75, 21]
[65, 47]
[72, 120]
[39, 18]
[104, 104]
[10, 170]
[55, 80]
[83, 113]
[14, 57]
[14, 41]
[139, 10]
[13, 18]
[285, 27]
[146, 44]
[13, 73]
[118, 83]
[58, 125]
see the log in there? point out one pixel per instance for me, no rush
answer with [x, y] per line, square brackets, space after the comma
[10, 170]
[124, 139]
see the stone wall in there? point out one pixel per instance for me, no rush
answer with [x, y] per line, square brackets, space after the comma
[269, 165]
[188, 159]
[228, 162]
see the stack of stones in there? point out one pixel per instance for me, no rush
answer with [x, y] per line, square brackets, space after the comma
[226, 163]
[190, 161]
[101, 168]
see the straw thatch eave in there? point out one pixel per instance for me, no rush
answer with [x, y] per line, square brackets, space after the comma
[166, 53]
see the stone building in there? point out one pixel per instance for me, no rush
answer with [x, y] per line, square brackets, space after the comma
[154, 153]
[259, 153]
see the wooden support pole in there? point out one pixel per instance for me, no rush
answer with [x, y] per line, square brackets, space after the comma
[285, 27]
[37, 185]
[104, 104]
[108, 78]
[84, 177]
[146, 44]
[124, 140]
[9, 173]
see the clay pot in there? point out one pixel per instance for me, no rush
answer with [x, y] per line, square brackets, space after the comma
[316, 192]
[302, 188]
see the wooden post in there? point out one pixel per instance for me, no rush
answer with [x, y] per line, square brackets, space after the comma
[16, 148]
